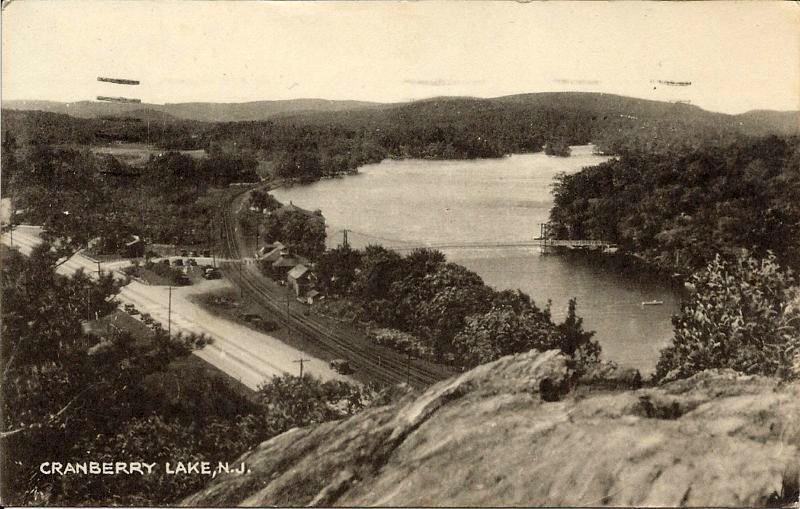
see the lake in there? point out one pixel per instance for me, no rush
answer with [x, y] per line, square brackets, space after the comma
[411, 202]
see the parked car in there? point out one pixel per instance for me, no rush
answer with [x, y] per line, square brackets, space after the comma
[193, 254]
[184, 252]
[177, 262]
[341, 366]
[191, 262]
[212, 273]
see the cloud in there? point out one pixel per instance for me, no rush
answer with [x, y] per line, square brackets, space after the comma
[577, 82]
[441, 82]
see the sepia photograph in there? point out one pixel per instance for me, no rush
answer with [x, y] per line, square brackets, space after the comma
[399, 254]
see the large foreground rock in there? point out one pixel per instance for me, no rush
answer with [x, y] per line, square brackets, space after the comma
[499, 435]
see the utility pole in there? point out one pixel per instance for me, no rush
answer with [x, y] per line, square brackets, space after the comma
[11, 220]
[301, 361]
[241, 275]
[344, 238]
[408, 369]
[288, 318]
[98, 270]
[169, 313]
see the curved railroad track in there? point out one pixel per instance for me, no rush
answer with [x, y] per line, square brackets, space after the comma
[376, 363]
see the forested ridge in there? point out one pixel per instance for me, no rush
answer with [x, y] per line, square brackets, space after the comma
[310, 142]
[678, 210]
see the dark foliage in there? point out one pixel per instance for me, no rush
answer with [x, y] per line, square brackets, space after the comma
[679, 210]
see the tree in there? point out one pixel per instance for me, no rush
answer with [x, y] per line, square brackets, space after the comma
[502, 331]
[303, 233]
[743, 314]
[336, 269]
[510, 328]
[61, 387]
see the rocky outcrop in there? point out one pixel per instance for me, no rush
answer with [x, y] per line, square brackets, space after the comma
[516, 432]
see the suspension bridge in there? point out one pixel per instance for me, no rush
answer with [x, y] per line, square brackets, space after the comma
[544, 243]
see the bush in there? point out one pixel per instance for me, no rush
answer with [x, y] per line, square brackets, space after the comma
[743, 315]
[402, 342]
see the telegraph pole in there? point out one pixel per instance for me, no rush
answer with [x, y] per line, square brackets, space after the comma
[301, 361]
[169, 313]
[288, 318]
[344, 238]
[241, 275]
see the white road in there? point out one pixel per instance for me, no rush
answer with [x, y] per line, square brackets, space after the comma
[245, 354]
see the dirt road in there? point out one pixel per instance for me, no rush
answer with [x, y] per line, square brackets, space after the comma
[247, 355]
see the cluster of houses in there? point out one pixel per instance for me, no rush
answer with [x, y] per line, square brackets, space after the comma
[292, 268]
[288, 267]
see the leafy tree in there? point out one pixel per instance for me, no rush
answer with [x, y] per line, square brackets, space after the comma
[743, 314]
[59, 385]
[502, 331]
[263, 200]
[509, 328]
[290, 402]
[301, 232]
[336, 269]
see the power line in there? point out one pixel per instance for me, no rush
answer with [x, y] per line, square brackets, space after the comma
[301, 361]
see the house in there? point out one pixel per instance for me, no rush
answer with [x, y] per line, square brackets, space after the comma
[134, 248]
[299, 278]
[311, 296]
[284, 263]
[315, 215]
[271, 252]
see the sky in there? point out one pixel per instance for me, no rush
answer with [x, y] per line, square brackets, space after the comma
[738, 56]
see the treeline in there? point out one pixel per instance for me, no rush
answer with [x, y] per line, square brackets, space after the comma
[68, 396]
[311, 145]
[309, 148]
[77, 195]
[446, 308]
[679, 210]
[49, 128]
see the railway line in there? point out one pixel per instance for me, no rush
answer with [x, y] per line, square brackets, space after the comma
[376, 363]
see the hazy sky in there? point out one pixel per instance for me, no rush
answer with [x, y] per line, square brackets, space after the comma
[738, 56]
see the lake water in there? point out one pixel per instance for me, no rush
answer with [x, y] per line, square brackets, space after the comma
[412, 202]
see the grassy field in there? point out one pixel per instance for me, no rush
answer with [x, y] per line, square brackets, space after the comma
[137, 154]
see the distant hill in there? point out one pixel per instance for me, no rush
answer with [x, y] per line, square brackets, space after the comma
[199, 111]
[602, 108]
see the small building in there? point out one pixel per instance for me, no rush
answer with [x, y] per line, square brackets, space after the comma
[312, 296]
[316, 215]
[134, 248]
[282, 266]
[271, 252]
[299, 278]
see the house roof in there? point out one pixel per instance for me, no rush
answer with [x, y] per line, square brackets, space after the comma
[135, 240]
[274, 254]
[294, 208]
[298, 271]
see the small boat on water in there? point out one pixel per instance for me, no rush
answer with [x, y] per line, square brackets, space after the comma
[652, 303]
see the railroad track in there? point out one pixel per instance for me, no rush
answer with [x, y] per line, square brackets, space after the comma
[377, 363]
